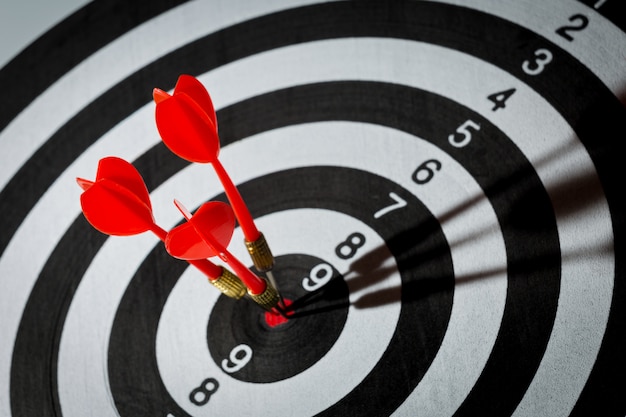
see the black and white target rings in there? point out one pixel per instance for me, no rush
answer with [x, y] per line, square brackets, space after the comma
[438, 180]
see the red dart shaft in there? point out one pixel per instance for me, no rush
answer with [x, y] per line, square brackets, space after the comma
[208, 268]
[242, 213]
[205, 266]
[255, 284]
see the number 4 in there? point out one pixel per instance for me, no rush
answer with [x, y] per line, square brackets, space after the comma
[499, 99]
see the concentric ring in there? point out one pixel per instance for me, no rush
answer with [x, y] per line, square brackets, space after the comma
[589, 122]
[315, 325]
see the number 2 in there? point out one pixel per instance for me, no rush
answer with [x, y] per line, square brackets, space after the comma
[579, 22]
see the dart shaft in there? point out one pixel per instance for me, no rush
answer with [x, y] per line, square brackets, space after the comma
[236, 201]
[260, 253]
[256, 244]
[207, 267]
[255, 284]
[268, 299]
[229, 284]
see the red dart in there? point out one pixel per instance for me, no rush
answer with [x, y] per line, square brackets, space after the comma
[215, 218]
[206, 234]
[118, 203]
[188, 126]
[194, 89]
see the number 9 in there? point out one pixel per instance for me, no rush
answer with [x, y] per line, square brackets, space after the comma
[236, 359]
[319, 276]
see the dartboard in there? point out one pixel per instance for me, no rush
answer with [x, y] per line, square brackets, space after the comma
[439, 182]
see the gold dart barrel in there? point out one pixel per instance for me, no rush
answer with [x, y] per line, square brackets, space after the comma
[229, 284]
[268, 299]
[260, 253]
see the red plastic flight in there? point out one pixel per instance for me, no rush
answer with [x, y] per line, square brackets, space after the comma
[186, 243]
[187, 124]
[207, 233]
[118, 203]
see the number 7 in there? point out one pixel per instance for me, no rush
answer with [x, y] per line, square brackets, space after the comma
[399, 203]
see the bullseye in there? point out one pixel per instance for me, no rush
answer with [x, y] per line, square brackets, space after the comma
[276, 320]
[282, 348]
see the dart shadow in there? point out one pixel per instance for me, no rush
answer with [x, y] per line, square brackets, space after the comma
[572, 195]
[327, 299]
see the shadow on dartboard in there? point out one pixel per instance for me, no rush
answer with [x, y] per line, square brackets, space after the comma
[574, 195]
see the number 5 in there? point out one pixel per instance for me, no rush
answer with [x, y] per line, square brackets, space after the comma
[464, 132]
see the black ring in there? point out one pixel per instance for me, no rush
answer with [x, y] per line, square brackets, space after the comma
[595, 128]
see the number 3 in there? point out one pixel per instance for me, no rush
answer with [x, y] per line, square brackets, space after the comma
[542, 58]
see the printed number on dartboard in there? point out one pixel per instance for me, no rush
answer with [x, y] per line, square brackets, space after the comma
[239, 357]
[322, 273]
[542, 57]
[538, 62]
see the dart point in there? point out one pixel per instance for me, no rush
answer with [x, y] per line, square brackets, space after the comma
[281, 316]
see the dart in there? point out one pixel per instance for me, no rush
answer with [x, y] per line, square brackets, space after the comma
[118, 203]
[207, 233]
[187, 124]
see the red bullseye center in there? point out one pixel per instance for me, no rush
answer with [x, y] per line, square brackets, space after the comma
[275, 319]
